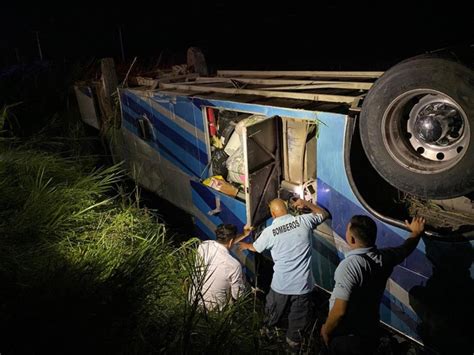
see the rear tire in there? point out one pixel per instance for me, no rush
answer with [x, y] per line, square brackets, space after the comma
[417, 125]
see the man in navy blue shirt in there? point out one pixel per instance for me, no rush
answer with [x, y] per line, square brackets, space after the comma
[360, 280]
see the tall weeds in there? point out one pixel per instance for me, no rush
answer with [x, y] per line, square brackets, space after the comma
[84, 270]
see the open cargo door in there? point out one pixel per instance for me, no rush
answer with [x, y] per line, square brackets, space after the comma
[261, 144]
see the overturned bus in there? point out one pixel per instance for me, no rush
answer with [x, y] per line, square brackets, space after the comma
[389, 145]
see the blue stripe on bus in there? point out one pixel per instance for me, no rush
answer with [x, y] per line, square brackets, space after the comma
[183, 108]
[203, 232]
[205, 207]
[163, 141]
[170, 129]
[162, 150]
[228, 205]
[171, 118]
[343, 209]
[188, 140]
[405, 320]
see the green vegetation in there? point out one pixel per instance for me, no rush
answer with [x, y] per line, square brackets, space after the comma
[83, 269]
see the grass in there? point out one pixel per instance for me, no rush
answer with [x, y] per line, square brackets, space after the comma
[84, 269]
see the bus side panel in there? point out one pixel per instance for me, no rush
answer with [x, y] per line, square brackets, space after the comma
[173, 155]
[325, 259]
[335, 194]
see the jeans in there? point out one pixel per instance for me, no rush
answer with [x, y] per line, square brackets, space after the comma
[298, 307]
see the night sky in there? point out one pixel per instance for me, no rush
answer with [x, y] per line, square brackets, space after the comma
[240, 34]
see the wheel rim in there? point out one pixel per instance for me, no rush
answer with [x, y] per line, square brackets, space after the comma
[425, 131]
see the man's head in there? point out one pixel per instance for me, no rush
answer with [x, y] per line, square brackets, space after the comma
[361, 232]
[225, 234]
[278, 208]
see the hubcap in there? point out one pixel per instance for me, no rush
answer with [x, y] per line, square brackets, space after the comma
[436, 128]
[425, 131]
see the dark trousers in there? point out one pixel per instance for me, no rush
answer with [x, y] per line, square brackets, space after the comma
[298, 308]
[352, 345]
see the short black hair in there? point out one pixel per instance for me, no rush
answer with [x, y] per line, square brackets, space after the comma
[364, 229]
[225, 232]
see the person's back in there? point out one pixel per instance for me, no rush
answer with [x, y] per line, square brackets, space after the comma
[371, 268]
[289, 242]
[221, 276]
[288, 239]
[360, 280]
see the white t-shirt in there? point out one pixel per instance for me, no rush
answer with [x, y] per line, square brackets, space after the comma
[222, 274]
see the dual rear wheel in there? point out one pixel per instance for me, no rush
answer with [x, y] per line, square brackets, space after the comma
[417, 125]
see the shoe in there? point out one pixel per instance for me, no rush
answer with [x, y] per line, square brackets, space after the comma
[264, 331]
[270, 333]
[293, 345]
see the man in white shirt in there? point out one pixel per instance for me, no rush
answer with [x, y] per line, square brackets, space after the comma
[221, 278]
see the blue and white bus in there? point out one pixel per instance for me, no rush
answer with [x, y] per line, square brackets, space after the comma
[388, 145]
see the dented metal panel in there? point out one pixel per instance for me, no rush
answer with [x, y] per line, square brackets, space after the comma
[87, 102]
[261, 142]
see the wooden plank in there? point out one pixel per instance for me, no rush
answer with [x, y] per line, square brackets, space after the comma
[107, 88]
[286, 172]
[316, 74]
[265, 93]
[276, 82]
[332, 85]
[168, 78]
[297, 84]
